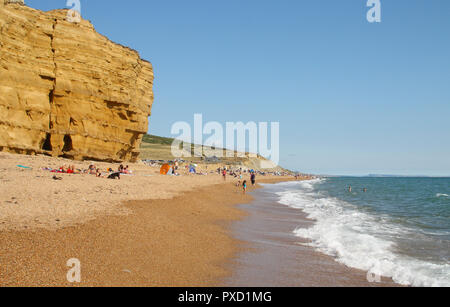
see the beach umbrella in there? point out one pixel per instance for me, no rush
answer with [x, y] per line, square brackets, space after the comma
[165, 169]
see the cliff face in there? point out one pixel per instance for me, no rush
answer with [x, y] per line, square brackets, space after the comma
[66, 90]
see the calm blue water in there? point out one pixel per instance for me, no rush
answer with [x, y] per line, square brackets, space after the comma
[399, 228]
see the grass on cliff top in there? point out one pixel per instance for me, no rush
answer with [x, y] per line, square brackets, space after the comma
[157, 140]
[159, 148]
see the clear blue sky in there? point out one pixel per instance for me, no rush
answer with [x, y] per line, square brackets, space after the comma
[351, 97]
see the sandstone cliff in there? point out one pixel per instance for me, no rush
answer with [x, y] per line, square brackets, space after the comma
[66, 90]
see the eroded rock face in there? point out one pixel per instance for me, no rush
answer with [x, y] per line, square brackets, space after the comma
[66, 90]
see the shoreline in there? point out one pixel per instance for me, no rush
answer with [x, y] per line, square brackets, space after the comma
[157, 244]
[273, 255]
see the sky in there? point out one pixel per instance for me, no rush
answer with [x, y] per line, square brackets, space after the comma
[351, 97]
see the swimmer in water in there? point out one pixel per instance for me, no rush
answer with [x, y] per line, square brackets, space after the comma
[365, 190]
[349, 189]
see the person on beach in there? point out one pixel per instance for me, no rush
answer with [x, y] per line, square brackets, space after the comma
[224, 175]
[253, 179]
[114, 176]
[92, 169]
[244, 186]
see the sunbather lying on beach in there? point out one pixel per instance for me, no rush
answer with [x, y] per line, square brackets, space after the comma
[126, 170]
[114, 176]
[64, 170]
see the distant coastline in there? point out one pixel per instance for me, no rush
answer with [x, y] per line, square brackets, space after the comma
[382, 176]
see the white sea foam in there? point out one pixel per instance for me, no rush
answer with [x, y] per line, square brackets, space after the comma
[441, 195]
[358, 239]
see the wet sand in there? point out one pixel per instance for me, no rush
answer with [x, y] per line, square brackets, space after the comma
[274, 256]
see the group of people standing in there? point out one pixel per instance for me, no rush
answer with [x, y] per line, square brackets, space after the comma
[238, 174]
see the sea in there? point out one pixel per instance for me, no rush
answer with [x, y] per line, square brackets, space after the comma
[398, 228]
